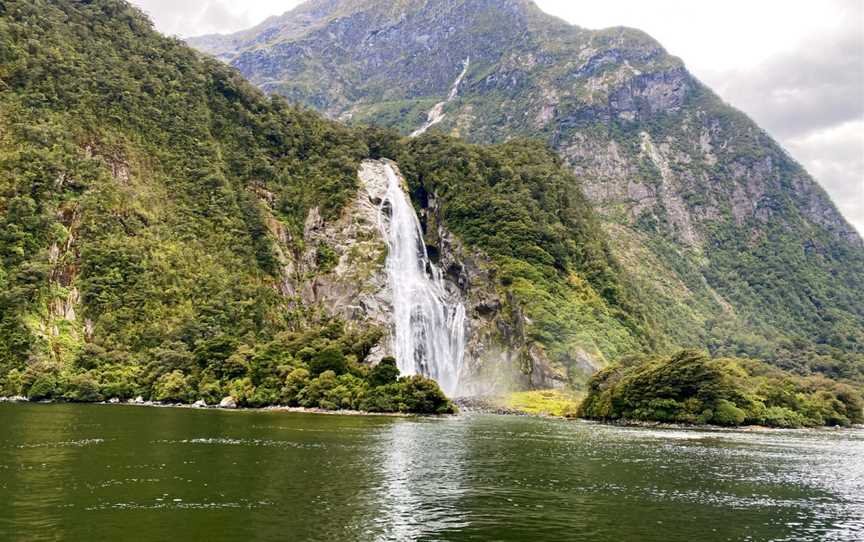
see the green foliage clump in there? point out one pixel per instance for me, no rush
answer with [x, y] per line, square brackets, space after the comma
[386, 372]
[83, 388]
[329, 359]
[173, 387]
[691, 387]
[315, 368]
[326, 258]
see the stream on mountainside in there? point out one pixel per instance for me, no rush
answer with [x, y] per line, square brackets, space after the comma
[436, 114]
[101, 472]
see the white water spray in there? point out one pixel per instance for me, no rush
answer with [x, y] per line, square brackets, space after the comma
[436, 114]
[430, 331]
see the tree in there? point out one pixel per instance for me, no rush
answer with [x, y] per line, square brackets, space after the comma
[386, 372]
[330, 358]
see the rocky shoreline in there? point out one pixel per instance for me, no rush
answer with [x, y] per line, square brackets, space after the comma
[486, 405]
[466, 405]
[224, 405]
[640, 424]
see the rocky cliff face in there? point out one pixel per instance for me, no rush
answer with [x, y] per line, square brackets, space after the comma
[734, 245]
[351, 283]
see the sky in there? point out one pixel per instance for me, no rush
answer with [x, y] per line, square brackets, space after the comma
[794, 66]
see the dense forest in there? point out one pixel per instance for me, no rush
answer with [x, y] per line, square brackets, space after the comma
[135, 258]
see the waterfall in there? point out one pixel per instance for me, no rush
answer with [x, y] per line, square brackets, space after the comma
[436, 114]
[429, 331]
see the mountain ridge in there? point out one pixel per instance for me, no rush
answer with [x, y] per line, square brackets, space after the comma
[526, 12]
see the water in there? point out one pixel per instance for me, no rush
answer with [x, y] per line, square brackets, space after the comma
[78, 472]
[436, 114]
[429, 336]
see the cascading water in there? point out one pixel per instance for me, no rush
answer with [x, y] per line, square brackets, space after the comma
[430, 331]
[436, 114]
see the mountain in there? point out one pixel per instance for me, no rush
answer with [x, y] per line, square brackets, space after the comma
[729, 242]
[170, 232]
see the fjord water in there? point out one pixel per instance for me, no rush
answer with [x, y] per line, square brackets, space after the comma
[430, 331]
[96, 472]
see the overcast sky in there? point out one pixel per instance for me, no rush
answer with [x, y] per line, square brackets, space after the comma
[795, 66]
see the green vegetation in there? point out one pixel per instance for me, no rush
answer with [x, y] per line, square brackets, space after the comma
[794, 280]
[128, 168]
[563, 403]
[313, 369]
[691, 387]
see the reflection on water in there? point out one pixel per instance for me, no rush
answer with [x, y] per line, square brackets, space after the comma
[74, 472]
[423, 482]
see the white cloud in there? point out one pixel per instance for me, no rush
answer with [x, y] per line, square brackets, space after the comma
[795, 66]
[835, 156]
[187, 18]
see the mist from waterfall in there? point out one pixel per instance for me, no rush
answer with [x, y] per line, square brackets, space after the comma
[429, 334]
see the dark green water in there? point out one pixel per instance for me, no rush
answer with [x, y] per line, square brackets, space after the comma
[90, 473]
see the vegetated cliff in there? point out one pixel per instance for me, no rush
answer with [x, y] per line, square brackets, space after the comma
[733, 246]
[166, 230]
[690, 387]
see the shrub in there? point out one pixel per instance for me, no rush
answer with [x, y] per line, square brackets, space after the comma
[121, 382]
[330, 358]
[242, 390]
[41, 381]
[380, 399]
[326, 258]
[422, 396]
[13, 383]
[386, 372]
[348, 393]
[726, 413]
[82, 388]
[210, 390]
[778, 416]
[295, 383]
[262, 396]
[314, 393]
[691, 387]
[173, 387]
[43, 387]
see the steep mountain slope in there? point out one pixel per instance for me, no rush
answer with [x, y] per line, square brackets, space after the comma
[732, 244]
[167, 230]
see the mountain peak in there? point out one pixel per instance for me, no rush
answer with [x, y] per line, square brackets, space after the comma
[377, 15]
